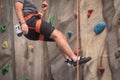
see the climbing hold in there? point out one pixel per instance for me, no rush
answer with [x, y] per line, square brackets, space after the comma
[76, 14]
[3, 28]
[118, 20]
[51, 20]
[69, 33]
[99, 27]
[117, 53]
[5, 45]
[89, 13]
[31, 48]
[101, 69]
[18, 30]
[25, 78]
[5, 69]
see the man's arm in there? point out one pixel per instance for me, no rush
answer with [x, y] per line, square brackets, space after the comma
[44, 8]
[19, 12]
[18, 8]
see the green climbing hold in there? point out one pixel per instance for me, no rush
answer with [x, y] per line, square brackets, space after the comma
[25, 78]
[51, 20]
[5, 69]
[3, 28]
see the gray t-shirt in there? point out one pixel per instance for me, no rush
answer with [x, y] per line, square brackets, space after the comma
[28, 7]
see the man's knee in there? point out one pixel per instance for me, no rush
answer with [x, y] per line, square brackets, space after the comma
[57, 34]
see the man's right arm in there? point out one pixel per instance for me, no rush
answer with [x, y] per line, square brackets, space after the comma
[19, 12]
[18, 8]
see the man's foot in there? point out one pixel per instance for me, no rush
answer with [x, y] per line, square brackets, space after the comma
[82, 60]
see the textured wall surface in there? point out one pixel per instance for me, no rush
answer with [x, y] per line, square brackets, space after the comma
[111, 15]
[6, 52]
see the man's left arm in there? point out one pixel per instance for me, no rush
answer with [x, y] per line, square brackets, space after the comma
[44, 8]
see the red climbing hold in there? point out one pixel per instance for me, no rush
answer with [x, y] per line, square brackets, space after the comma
[89, 13]
[76, 14]
[101, 69]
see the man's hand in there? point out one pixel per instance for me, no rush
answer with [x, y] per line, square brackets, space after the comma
[19, 12]
[44, 5]
[24, 28]
[44, 8]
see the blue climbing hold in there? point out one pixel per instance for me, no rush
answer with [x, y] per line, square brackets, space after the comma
[69, 33]
[99, 27]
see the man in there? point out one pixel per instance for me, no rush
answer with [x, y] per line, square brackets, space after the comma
[34, 28]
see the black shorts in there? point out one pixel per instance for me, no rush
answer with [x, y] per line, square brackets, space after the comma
[46, 29]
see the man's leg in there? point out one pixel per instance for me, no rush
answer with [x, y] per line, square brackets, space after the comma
[63, 44]
[50, 32]
[67, 51]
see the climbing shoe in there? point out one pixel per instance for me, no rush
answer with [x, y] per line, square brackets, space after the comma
[82, 60]
[69, 62]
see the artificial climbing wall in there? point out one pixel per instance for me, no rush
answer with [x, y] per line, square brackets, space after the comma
[92, 44]
[37, 60]
[6, 40]
[112, 17]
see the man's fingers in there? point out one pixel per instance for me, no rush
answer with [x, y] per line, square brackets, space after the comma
[25, 30]
[44, 4]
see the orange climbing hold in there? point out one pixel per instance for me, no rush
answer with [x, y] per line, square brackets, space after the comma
[89, 13]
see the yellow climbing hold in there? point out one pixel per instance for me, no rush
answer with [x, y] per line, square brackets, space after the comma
[30, 47]
[117, 53]
[5, 45]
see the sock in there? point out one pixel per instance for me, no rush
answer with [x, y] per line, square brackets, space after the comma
[78, 58]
